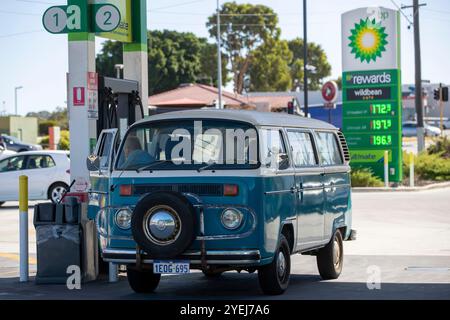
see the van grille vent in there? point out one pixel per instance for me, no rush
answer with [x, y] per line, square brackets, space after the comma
[199, 189]
[344, 146]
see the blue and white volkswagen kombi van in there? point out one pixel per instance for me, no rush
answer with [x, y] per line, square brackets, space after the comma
[220, 190]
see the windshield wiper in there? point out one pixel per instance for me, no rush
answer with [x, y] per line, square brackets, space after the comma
[210, 165]
[148, 166]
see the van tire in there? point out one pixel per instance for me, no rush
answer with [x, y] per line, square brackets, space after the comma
[142, 280]
[330, 265]
[271, 281]
[183, 212]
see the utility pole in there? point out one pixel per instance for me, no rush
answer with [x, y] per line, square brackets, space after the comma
[418, 78]
[305, 61]
[15, 98]
[219, 58]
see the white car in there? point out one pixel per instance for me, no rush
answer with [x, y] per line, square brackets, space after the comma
[4, 152]
[48, 175]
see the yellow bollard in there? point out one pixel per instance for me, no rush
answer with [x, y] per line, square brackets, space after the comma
[23, 227]
[411, 169]
[386, 169]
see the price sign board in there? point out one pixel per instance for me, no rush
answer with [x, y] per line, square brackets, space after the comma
[371, 89]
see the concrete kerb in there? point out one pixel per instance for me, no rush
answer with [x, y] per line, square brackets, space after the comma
[439, 185]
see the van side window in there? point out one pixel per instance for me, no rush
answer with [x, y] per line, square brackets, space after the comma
[328, 148]
[302, 148]
[272, 145]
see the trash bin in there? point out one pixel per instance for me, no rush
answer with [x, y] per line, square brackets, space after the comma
[63, 239]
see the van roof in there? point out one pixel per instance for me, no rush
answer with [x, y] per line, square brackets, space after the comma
[256, 118]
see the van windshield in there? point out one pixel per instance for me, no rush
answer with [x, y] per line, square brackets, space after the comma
[189, 144]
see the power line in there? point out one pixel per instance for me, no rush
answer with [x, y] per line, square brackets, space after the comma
[19, 13]
[37, 2]
[403, 14]
[19, 34]
[176, 5]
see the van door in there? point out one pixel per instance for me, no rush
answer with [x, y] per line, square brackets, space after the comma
[105, 150]
[336, 179]
[310, 199]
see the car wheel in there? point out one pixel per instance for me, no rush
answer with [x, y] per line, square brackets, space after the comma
[331, 257]
[274, 277]
[56, 191]
[142, 280]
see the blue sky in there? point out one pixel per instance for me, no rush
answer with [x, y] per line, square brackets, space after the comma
[37, 60]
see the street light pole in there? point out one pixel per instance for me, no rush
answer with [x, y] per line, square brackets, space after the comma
[219, 58]
[305, 60]
[418, 85]
[15, 98]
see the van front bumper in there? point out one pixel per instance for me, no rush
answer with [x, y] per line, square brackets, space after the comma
[229, 257]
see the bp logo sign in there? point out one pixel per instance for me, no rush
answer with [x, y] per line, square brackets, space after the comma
[368, 40]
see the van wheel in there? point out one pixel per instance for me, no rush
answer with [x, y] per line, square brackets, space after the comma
[274, 277]
[142, 280]
[331, 257]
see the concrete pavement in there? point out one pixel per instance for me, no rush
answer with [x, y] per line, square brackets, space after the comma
[403, 240]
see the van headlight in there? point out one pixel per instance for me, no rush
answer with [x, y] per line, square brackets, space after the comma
[123, 218]
[231, 218]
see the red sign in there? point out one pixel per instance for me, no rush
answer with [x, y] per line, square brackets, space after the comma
[78, 96]
[329, 91]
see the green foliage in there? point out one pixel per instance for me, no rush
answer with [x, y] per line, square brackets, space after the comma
[64, 143]
[173, 58]
[432, 167]
[208, 65]
[440, 147]
[244, 28]
[44, 125]
[316, 58]
[365, 178]
[269, 70]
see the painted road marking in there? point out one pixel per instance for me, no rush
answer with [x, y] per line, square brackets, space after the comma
[16, 257]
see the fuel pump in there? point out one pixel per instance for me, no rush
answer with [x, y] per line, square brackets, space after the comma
[120, 104]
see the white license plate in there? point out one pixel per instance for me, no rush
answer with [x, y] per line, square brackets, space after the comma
[171, 267]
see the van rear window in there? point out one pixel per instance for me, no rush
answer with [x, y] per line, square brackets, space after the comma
[328, 149]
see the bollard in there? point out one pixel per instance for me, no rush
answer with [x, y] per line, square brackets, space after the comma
[23, 227]
[386, 169]
[411, 169]
[113, 270]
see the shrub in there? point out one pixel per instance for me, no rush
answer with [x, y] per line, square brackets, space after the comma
[432, 167]
[441, 147]
[44, 125]
[365, 178]
[64, 143]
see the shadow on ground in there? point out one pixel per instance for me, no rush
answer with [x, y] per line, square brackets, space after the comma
[229, 286]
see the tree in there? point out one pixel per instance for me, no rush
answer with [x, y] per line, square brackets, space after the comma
[110, 55]
[316, 58]
[173, 58]
[269, 70]
[244, 27]
[208, 61]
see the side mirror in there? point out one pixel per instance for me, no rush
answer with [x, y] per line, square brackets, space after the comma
[93, 163]
[283, 161]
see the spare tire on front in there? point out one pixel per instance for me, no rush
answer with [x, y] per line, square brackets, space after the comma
[163, 224]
